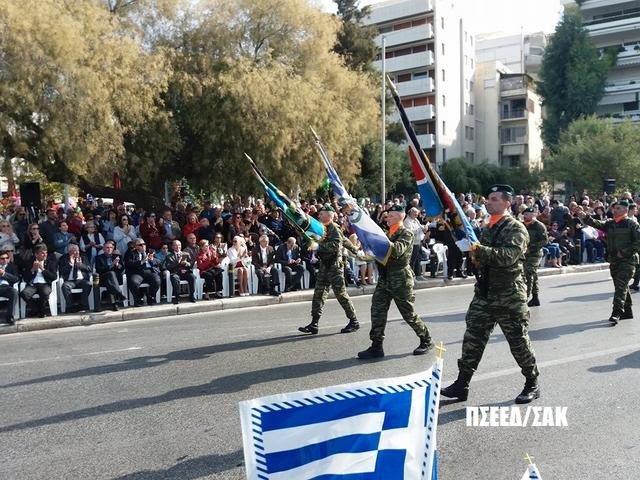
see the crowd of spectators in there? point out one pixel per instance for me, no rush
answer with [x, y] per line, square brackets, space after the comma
[241, 236]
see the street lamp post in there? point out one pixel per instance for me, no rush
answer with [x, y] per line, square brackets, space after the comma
[383, 107]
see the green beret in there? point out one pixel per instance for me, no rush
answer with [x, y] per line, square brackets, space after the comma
[327, 208]
[396, 208]
[500, 188]
[624, 203]
[529, 210]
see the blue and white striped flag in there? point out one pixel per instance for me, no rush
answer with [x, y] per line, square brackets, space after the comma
[377, 429]
[532, 473]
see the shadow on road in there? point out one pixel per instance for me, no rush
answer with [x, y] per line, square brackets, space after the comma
[190, 469]
[577, 284]
[591, 297]
[228, 384]
[631, 360]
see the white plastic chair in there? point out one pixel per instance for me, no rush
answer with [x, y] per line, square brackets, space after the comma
[123, 289]
[198, 285]
[63, 303]
[16, 304]
[53, 299]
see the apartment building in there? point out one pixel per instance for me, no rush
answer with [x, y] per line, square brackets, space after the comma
[616, 23]
[430, 56]
[519, 53]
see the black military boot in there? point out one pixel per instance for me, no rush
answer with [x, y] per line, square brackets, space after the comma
[374, 351]
[312, 328]
[535, 301]
[530, 392]
[635, 286]
[627, 313]
[615, 316]
[352, 326]
[458, 389]
[425, 345]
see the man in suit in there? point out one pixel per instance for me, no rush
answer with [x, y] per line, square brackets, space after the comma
[263, 259]
[8, 277]
[39, 276]
[142, 267]
[75, 273]
[110, 267]
[288, 255]
[180, 267]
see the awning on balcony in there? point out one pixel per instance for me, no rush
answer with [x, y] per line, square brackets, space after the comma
[513, 150]
[616, 98]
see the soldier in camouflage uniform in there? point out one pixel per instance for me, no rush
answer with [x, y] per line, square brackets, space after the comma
[500, 298]
[331, 273]
[623, 245]
[395, 282]
[633, 212]
[537, 240]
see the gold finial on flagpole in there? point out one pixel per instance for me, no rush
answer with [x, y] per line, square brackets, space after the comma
[529, 459]
[440, 350]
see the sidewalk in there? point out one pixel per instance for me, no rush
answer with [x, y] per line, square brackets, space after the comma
[168, 310]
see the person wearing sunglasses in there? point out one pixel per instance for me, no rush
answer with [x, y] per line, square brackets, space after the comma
[8, 277]
[142, 267]
[124, 233]
[9, 241]
[39, 276]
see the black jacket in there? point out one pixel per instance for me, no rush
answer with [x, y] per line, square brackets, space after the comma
[256, 257]
[135, 265]
[281, 254]
[50, 272]
[171, 262]
[102, 266]
[65, 268]
[11, 274]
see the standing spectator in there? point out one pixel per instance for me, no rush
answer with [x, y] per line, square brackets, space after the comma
[20, 223]
[123, 234]
[110, 267]
[209, 266]
[109, 225]
[263, 259]
[91, 242]
[9, 241]
[208, 212]
[180, 266]
[558, 213]
[74, 222]
[31, 239]
[151, 233]
[75, 273]
[192, 225]
[39, 276]
[288, 255]
[171, 227]
[8, 277]
[239, 263]
[62, 239]
[444, 235]
[412, 224]
[49, 227]
[142, 267]
[205, 231]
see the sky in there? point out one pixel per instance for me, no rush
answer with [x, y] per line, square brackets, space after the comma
[488, 16]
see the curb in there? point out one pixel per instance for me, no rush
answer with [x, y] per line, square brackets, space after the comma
[203, 306]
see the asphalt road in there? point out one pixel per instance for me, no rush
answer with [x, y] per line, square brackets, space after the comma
[158, 399]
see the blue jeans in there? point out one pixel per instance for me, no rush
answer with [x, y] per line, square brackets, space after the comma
[554, 250]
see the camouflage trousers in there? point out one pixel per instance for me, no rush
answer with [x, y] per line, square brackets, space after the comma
[531, 273]
[481, 319]
[621, 273]
[397, 286]
[331, 277]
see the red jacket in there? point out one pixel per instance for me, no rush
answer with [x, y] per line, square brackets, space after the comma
[191, 228]
[208, 259]
[152, 235]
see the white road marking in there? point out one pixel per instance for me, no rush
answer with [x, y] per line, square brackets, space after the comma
[64, 357]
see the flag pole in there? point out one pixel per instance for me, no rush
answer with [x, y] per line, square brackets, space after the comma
[384, 120]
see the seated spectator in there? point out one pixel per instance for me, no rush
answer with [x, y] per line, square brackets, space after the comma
[9, 241]
[263, 259]
[110, 267]
[569, 248]
[151, 232]
[219, 245]
[179, 264]
[39, 275]
[108, 226]
[288, 255]
[209, 266]
[9, 276]
[171, 227]
[312, 264]
[161, 254]
[75, 273]
[142, 267]
[192, 245]
[205, 231]
[91, 242]
[74, 222]
[124, 233]
[62, 239]
[31, 239]
[239, 261]
[191, 226]
[20, 223]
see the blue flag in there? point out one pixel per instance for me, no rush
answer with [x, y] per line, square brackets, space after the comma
[373, 430]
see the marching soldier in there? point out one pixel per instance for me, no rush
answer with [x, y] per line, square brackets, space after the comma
[537, 240]
[331, 273]
[395, 282]
[623, 245]
[635, 285]
[500, 298]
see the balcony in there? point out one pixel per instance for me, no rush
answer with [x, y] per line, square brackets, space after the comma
[406, 35]
[415, 114]
[612, 25]
[629, 56]
[391, 11]
[407, 62]
[415, 87]
[517, 114]
[427, 141]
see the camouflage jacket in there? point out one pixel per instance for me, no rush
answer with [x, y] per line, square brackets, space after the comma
[537, 238]
[623, 238]
[401, 248]
[330, 247]
[501, 257]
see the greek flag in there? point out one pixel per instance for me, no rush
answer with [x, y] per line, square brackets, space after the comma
[532, 473]
[377, 429]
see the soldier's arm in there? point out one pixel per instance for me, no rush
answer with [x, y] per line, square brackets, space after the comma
[540, 239]
[402, 243]
[515, 244]
[331, 241]
[594, 222]
[635, 233]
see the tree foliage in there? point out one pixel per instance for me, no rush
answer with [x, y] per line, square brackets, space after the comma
[573, 77]
[355, 41]
[593, 149]
[462, 176]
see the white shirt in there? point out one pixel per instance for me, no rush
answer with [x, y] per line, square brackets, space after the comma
[39, 278]
[415, 227]
[79, 275]
[263, 252]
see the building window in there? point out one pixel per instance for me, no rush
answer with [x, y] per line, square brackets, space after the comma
[468, 133]
[465, 36]
[471, 109]
[442, 23]
[466, 108]
[385, 29]
[471, 85]
[419, 75]
[444, 100]
[630, 106]
[471, 133]
[407, 103]
[405, 77]
[466, 60]
[420, 48]
[443, 49]
[402, 26]
[443, 75]
[444, 154]
[471, 39]
[466, 84]
[418, 21]
[470, 156]
[444, 127]
[471, 62]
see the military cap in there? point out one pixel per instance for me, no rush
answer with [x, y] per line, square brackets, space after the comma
[529, 210]
[624, 203]
[500, 188]
[327, 208]
[396, 208]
